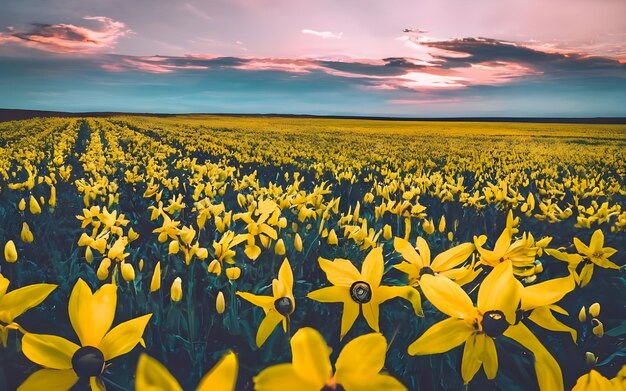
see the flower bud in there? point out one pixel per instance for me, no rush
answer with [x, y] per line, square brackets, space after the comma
[10, 252]
[594, 310]
[387, 233]
[590, 359]
[582, 315]
[233, 273]
[215, 267]
[103, 269]
[128, 272]
[141, 264]
[88, 254]
[220, 303]
[332, 238]
[297, 242]
[33, 206]
[176, 291]
[26, 235]
[22, 205]
[279, 248]
[598, 328]
[442, 224]
[155, 282]
[174, 247]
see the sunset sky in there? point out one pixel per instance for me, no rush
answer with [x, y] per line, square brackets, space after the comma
[427, 58]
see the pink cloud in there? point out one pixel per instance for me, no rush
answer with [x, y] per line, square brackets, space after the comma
[434, 101]
[69, 38]
[323, 34]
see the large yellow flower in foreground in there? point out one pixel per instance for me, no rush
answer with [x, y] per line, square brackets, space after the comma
[277, 307]
[357, 368]
[361, 291]
[153, 376]
[417, 264]
[91, 315]
[477, 327]
[16, 302]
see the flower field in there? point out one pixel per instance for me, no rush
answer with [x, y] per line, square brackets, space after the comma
[221, 253]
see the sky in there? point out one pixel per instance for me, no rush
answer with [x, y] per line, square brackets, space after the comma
[408, 58]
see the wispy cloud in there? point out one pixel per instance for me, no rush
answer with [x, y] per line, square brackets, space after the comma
[197, 11]
[323, 34]
[69, 38]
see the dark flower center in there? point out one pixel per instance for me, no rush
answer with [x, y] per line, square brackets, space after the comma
[88, 361]
[361, 292]
[336, 387]
[426, 270]
[494, 323]
[284, 306]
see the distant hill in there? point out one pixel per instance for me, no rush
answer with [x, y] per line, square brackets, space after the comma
[17, 114]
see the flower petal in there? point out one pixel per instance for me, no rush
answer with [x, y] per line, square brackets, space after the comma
[92, 315]
[311, 357]
[384, 293]
[267, 326]
[453, 257]
[373, 267]
[441, 337]
[124, 337]
[19, 300]
[374, 383]
[153, 376]
[424, 250]
[265, 302]
[470, 363]
[548, 371]
[407, 251]
[223, 376]
[447, 296]
[280, 378]
[500, 291]
[371, 313]
[363, 357]
[340, 272]
[49, 351]
[50, 379]
[547, 292]
[285, 275]
[543, 317]
[489, 356]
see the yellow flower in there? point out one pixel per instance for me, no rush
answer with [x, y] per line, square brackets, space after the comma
[357, 367]
[361, 291]
[153, 376]
[155, 282]
[477, 327]
[594, 310]
[176, 290]
[417, 264]
[428, 226]
[277, 307]
[21, 205]
[233, 273]
[220, 303]
[26, 235]
[91, 316]
[387, 233]
[116, 252]
[10, 252]
[596, 252]
[16, 302]
[174, 247]
[521, 253]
